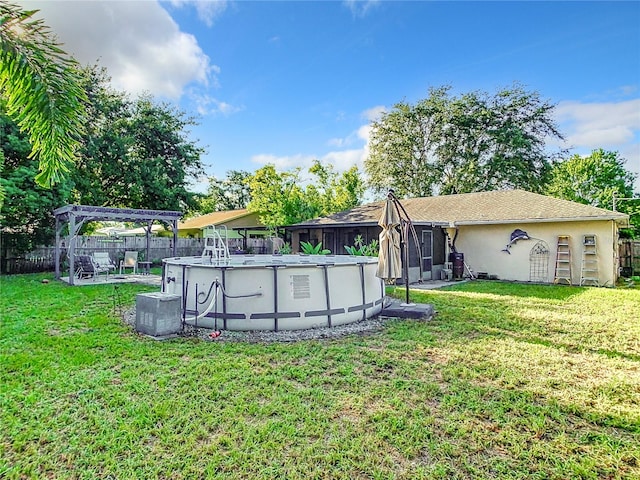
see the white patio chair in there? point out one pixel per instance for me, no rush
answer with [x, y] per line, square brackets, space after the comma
[103, 260]
[130, 261]
[86, 267]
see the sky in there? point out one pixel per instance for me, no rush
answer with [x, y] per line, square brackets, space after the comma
[286, 82]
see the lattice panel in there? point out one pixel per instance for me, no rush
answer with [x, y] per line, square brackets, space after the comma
[539, 262]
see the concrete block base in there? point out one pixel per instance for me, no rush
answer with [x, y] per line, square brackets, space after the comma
[158, 314]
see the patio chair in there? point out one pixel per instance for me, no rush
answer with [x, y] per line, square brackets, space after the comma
[87, 268]
[130, 261]
[103, 260]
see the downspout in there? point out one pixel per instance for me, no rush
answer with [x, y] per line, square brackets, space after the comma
[452, 242]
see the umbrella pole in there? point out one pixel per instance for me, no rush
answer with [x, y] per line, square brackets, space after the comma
[405, 266]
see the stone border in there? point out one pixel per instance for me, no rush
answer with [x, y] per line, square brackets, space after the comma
[422, 312]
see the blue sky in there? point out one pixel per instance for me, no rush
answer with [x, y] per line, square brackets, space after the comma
[288, 82]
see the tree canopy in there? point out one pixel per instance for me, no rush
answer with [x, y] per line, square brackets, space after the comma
[231, 193]
[136, 153]
[591, 179]
[282, 198]
[40, 86]
[26, 212]
[594, 180]
[473, 142]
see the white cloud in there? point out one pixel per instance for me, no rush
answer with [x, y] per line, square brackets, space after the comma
[208, 105]
[360, 8]
[139, 43]
[343, 142]
[374, 113]
[595, 125]
[338, 142]
[364, 133]
[208, 11]
[342, 159]
[286, 162]
[608, 125]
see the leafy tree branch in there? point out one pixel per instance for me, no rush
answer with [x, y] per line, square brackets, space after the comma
[40, 87]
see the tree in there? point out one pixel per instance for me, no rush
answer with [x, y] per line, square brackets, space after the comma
[42, 91]
[594, 180]
[277, 197]
[100, 169]
[232, 193]
[161, 158]
[474, 142]
[281, 199]
[402, 147]
[26, 216]
[335, 193]
[136, 153]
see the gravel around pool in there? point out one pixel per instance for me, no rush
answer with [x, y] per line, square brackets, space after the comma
[364, 327]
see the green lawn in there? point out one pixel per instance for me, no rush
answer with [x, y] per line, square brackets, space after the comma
[508, 381]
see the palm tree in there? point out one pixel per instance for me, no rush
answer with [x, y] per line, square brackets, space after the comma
[41, 90]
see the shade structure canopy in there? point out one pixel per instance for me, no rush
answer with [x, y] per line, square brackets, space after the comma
[389, 256]
[74, 216]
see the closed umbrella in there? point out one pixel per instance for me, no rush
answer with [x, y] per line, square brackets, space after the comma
[389, 258]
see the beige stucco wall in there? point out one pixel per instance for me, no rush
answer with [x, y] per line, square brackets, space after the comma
[482, 247]
[246, 221]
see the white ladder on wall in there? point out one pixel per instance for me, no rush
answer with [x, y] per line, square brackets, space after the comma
[563, 261]
[589, 272]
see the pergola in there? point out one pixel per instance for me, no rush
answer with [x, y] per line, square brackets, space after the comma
[76, 216]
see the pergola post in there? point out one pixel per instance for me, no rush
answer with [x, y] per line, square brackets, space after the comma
[57, 249]
[148, 238]
[72, 248]
[175, 237]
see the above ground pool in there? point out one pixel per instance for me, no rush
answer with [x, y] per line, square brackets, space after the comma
[274, 292]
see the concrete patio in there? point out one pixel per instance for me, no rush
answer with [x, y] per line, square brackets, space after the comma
[116, 278]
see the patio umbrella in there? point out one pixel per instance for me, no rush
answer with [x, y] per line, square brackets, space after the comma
[389, 259]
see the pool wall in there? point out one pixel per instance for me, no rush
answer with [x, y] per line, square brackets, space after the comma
[274, 292]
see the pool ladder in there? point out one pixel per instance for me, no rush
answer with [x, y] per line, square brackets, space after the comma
[215, 247]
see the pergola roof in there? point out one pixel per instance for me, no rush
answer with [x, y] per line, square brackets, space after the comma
[77, 215]
[89, 213]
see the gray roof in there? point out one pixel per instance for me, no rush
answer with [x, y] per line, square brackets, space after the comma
[505, 206]
[91, 212]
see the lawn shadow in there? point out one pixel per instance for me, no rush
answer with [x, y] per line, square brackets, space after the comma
[518, 289]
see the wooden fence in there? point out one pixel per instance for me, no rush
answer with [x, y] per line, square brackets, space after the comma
[42, 259]
[629, 253]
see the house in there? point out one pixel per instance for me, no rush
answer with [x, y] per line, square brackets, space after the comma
[510, 235]
[241, 228]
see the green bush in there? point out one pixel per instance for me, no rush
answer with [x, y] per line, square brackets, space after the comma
[361, 249]
[310, 249]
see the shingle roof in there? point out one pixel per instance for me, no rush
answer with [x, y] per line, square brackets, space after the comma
[215, 218]
[505, 206]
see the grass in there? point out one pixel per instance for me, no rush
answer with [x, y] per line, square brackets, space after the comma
[508, 381]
